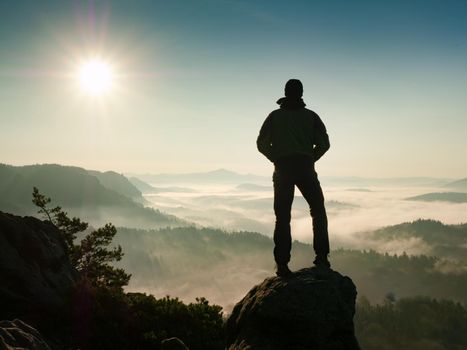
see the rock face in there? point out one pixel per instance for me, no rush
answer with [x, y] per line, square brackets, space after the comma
[35, 271]
[311, 309]
[18, 335]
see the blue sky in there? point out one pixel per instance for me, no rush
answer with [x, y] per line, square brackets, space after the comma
[195, 80]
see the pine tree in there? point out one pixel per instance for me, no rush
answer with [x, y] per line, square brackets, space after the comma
[92, 256]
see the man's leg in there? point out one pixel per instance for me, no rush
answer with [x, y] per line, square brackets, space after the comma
[283, 198]
[309, 186]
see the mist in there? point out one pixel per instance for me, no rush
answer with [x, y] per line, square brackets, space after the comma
[222, 265]
[351, 212]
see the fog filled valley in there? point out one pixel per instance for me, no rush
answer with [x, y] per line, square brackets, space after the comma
[209, 234]
[384, 238]
[352, 211]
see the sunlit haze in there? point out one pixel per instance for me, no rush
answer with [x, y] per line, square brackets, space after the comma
[95, 76]
[196, 79]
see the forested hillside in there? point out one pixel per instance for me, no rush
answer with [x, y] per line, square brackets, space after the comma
[418, 323]
[190, 262]
[438, 239]
[93, 196]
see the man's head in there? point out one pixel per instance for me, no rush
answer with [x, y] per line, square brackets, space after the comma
[294, 89]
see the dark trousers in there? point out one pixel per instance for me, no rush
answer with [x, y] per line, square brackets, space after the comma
[290, 172]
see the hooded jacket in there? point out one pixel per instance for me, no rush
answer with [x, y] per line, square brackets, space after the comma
[292, 130]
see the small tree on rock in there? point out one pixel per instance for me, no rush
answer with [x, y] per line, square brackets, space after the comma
[91, 256]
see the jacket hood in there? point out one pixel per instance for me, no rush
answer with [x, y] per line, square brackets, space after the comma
[288, 103]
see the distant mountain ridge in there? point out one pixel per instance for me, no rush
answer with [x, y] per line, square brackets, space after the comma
[459, 185]
[146, 188]
[362, 182]
[118, 183]
[222, 176]
[452, 197]
[142, 186]
[97, 197]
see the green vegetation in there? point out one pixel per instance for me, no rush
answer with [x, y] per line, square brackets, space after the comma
[418, 323]
[444, 241]
[101, 316]
[223, 266]
[140, 321]
[199, 324]
[91, 256]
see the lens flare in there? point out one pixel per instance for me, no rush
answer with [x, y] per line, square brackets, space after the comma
[95, 77]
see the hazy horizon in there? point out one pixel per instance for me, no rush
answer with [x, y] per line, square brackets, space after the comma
[192, 83]
[265, 173]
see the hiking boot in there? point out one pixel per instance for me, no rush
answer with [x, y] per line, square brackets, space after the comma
[282, 270]
[322, 261]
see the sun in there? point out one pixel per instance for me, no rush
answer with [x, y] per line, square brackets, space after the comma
[95, 77]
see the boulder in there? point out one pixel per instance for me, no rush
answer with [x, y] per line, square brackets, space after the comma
[17, 335]
[311, 309]
[35, 272]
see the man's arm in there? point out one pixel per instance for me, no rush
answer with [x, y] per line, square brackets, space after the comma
[264, 140]
[320, 139]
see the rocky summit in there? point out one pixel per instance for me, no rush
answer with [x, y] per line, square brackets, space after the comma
[311, 309]
[35, 271]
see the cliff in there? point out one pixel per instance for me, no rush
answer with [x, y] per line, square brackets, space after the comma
[35, 272]
[312, 309]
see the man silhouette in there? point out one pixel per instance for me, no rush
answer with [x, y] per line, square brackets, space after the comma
[294, 138]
